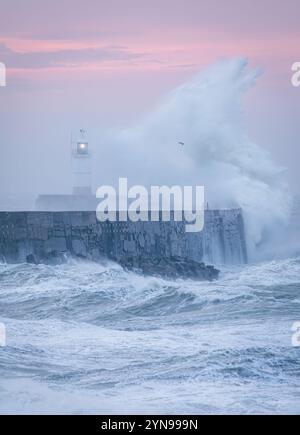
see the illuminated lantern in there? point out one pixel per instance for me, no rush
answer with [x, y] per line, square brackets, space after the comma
[81, 166]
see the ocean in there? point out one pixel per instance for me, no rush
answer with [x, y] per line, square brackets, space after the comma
[89, 338]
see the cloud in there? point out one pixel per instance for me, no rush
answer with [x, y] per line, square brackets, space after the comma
[66, 57]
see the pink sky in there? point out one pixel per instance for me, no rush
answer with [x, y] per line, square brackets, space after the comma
[106, 62]
[122, 35]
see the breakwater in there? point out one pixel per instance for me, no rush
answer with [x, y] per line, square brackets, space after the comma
[46, 236]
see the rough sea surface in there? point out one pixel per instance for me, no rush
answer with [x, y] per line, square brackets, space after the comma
[90, 338]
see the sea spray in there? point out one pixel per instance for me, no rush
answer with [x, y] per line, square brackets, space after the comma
[205, 115]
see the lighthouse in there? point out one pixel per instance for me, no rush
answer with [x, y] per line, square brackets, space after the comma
[81, 165]
[81, 197]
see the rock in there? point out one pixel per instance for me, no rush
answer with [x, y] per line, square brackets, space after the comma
[172, 267]
[31, 259]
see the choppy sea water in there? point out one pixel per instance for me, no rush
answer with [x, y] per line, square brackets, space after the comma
[90, 338]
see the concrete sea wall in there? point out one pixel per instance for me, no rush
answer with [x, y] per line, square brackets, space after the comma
[43, 236]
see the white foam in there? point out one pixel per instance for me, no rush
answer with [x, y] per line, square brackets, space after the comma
[206, 114]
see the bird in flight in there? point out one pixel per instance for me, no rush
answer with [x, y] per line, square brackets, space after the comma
[181, 143]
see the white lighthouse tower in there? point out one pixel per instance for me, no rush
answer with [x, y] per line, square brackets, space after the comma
[81, 198]
[81, 166]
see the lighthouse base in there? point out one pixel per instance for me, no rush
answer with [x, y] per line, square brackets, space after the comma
[75, 202]
[82, 191]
